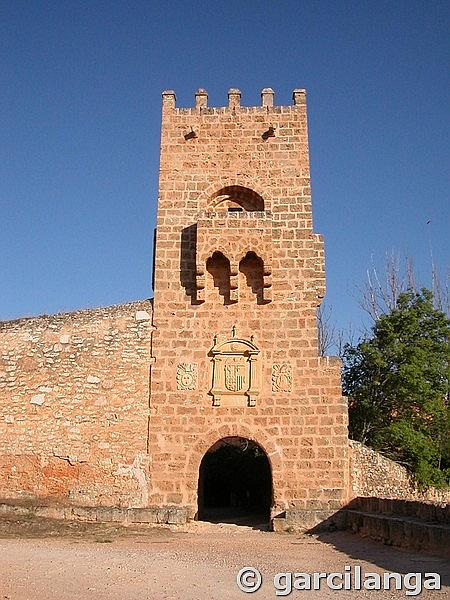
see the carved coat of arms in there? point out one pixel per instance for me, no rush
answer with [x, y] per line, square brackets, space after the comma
[236, 374]
[187, 376]
[234, 377]
[282, 377]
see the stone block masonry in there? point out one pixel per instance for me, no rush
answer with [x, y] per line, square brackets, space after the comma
[74, 406]
[236, 257]
[374, 475]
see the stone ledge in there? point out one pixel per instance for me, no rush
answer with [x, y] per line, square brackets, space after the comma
[170, 515]
[414, 526]
[402, 532]
[309, 520]
[424, 511]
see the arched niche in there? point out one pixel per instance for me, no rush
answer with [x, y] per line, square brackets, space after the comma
[253, 273]
[218, 266]
[236, 198]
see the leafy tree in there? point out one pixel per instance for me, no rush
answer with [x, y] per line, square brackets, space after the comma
[398, 387]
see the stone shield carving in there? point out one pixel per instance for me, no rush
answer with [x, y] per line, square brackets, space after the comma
[187, 374]
[236, 376]
[282, 377]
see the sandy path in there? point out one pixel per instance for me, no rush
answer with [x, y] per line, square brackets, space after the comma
[197, 563]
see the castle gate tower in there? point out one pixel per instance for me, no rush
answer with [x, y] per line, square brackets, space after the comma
[238, 276]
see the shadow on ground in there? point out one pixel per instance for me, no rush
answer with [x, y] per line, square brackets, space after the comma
[388, 558]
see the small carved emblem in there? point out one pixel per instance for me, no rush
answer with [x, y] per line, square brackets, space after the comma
[234, 377]
[187, 376]
[282, 377]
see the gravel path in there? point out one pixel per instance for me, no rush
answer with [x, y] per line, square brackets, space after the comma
[198, 562]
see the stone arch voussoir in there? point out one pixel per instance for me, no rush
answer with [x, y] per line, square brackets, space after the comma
[235, 430]
[241, 180]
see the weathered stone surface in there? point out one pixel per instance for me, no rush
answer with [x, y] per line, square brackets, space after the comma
[39, 399]
[235, 255]
[115, 407]
[235, 249]
[143, 315]
[374, 475]
[414, 533]
[172, 516]
[61, 436]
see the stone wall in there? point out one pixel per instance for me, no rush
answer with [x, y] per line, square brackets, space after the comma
[375, 475]
[74, 406]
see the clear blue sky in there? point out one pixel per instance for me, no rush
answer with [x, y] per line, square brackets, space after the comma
[80, 118]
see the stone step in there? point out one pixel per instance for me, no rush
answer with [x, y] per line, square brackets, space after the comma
[419, 510]
[401, 531]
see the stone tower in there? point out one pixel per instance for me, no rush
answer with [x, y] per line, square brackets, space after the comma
[238, 276]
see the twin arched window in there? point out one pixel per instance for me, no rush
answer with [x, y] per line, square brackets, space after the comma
[248, 281]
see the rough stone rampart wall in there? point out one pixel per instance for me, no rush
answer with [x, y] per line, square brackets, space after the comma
[372, 474]
[74, 406]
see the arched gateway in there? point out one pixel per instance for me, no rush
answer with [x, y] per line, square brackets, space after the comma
[235, 483]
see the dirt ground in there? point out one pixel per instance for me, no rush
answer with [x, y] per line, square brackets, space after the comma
[44, 559]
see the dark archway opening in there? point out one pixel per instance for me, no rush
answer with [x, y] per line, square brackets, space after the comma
[235, 484]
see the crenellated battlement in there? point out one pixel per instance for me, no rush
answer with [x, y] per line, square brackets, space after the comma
[234, 101]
